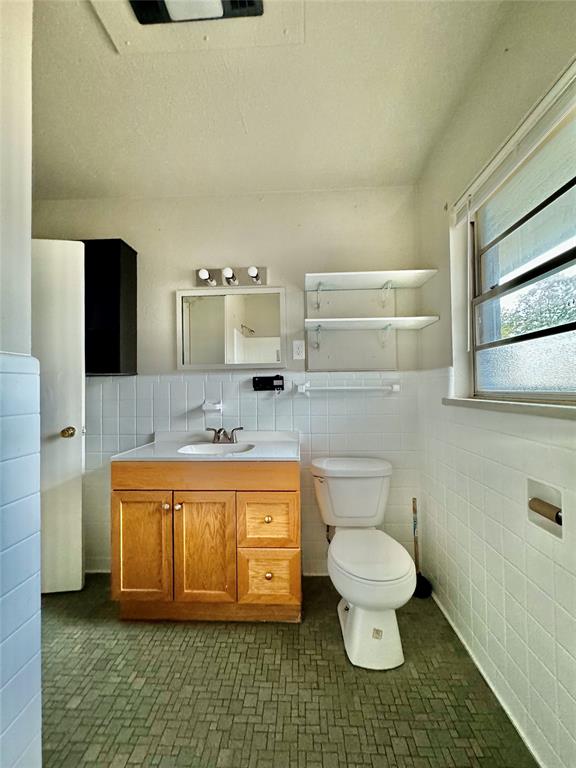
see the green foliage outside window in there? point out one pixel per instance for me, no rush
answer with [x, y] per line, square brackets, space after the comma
[545, 305]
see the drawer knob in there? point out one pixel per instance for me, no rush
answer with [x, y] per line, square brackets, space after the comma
[177, 507]
[165, 506]
[268, 519]
[268, 576]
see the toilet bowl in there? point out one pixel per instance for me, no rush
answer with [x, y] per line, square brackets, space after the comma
[372, 572]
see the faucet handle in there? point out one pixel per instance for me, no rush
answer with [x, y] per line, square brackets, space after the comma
[216, 433]
[233, 434]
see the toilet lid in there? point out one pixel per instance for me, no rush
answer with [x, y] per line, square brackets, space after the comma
[370, 554]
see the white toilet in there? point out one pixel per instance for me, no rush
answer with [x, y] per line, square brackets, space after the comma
[372, 572]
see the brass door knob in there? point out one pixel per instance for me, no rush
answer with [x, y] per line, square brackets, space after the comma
[68, 432]
[177, 507]
[166, 506]
[268, 519]
[268, 576]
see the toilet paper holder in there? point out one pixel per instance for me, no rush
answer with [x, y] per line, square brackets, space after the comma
[547, 510]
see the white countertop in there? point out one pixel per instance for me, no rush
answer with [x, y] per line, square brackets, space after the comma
[268, 446]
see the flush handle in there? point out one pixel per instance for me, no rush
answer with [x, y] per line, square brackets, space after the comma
[68, 432]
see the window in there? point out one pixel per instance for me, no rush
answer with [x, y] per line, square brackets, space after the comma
[523, 312]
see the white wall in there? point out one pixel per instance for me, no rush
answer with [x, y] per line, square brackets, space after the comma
[534, 45]
[15, 174]
[123, 412]
[507, 586]
[290, 233]
[20, 699]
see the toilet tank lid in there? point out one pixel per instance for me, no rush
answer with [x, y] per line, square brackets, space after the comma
[350, 467]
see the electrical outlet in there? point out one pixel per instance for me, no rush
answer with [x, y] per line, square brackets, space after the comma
[298, 350]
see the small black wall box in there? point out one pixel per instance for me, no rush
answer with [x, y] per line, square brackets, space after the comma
[268, 383]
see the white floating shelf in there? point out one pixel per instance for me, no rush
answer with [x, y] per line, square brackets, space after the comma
[366, 281]
[370, 323]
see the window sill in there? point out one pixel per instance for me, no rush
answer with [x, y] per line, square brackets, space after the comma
[551, 410]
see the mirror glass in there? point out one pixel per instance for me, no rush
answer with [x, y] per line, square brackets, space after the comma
[230, 327]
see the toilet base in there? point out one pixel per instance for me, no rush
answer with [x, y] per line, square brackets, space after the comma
[371, 638]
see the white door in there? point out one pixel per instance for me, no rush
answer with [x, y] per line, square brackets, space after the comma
[58, 342]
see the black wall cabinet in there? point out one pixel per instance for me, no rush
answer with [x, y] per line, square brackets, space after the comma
[110, 306]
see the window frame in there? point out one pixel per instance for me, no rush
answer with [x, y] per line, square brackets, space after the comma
[531, 276]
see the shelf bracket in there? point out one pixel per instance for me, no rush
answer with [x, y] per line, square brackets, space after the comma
[318, 288]
[384, 335]
[316, 343]
[385, 292]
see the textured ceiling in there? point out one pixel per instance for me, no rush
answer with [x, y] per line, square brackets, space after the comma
[359, 103]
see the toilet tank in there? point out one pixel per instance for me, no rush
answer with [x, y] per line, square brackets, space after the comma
[351, 492]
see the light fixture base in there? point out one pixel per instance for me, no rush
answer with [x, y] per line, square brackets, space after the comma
[241, 273]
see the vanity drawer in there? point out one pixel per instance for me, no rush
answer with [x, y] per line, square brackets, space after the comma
[268, 519]
[269, 576]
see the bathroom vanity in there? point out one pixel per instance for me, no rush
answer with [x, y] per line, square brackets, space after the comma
[207, 533]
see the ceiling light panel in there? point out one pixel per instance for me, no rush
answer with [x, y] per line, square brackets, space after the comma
[194, 10]
[168, 11]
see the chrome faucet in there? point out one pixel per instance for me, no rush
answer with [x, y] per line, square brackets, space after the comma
[221, 436]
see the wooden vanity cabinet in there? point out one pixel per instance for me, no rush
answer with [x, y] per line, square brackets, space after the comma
[217, 541]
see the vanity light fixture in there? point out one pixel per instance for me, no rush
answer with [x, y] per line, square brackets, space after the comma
[229, 276]
[206, 277]
[254, 275]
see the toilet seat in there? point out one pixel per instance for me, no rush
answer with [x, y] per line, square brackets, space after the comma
[370, 555]
[351, 576]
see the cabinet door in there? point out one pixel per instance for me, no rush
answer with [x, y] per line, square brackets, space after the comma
[141, 545]
[269, 576]
[205, 546]
[268, 519]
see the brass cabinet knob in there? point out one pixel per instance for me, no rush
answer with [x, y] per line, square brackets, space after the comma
[68, 432]
[268, 576]
[268, 519]
[166, 506]
[177, 506]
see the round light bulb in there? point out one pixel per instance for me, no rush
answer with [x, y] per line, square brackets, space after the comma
[205, 275]
[229, 276]
[254, 275]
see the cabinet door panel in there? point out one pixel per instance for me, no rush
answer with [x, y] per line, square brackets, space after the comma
[205, 546]
[141, 545]
[268, 519]
[269, 576]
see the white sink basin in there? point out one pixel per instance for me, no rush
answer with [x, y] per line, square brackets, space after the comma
[215, 449]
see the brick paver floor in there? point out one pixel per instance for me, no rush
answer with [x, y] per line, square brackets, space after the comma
[213, 695]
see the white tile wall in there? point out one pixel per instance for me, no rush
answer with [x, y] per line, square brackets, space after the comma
[122, 413]
[507, 586]
[20, 700]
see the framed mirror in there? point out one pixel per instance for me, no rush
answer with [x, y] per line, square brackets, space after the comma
[230, 328]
